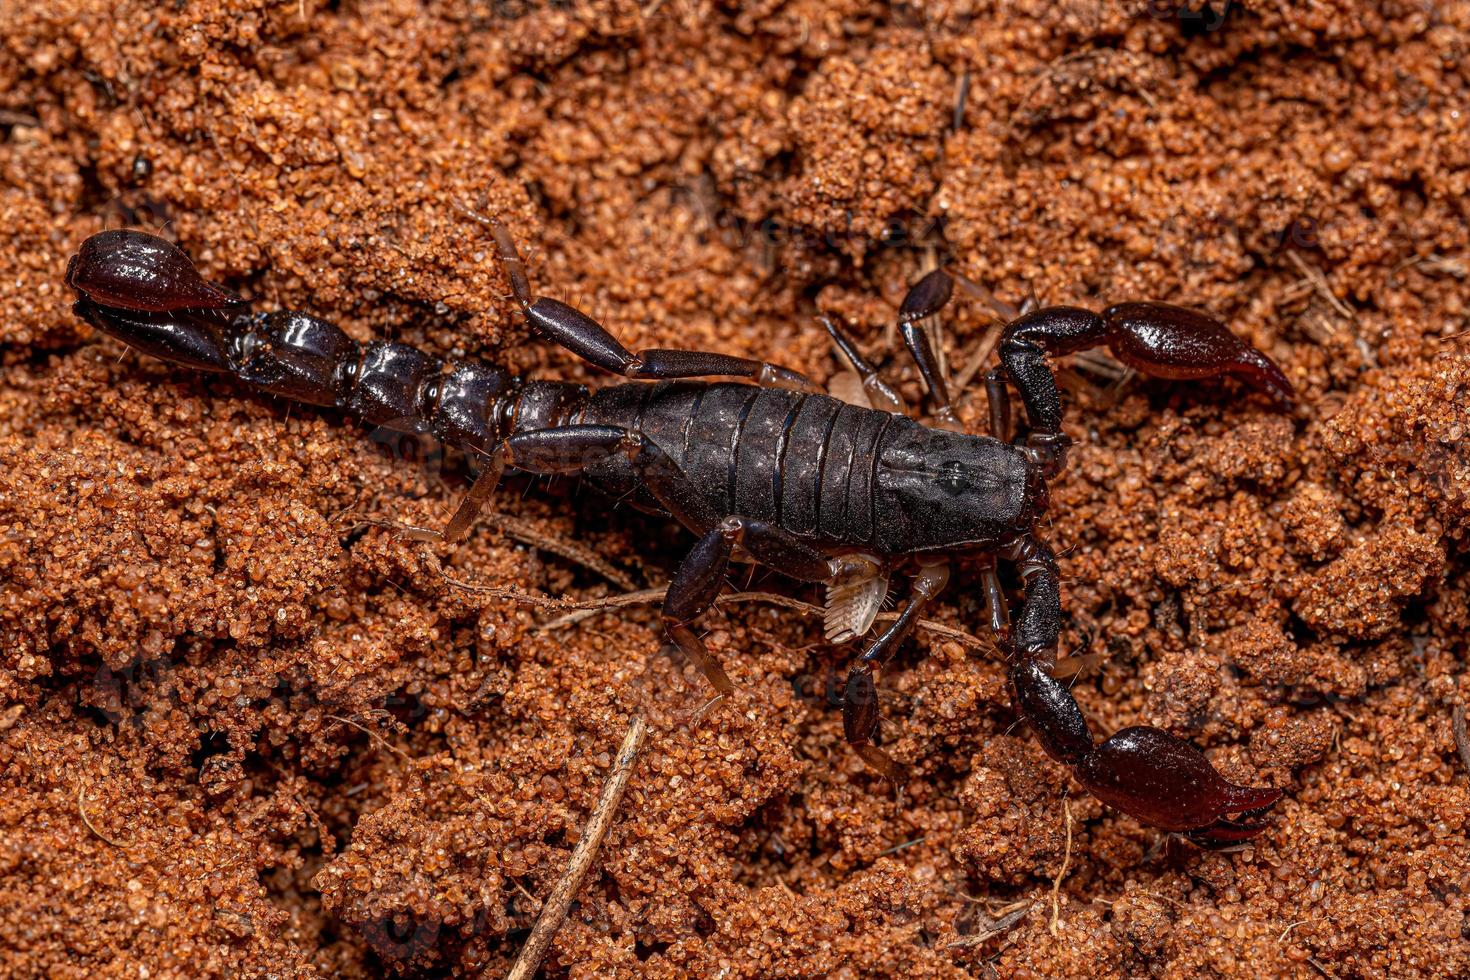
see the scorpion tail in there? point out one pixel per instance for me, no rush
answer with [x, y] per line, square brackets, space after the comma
[1146, 772]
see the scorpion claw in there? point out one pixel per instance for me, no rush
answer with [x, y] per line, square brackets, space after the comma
[1156, 338]
[1166, 782]
[1224, 833]
[1174, 342]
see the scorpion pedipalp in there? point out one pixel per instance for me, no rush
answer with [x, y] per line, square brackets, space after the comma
[1146, 772]
[1158, 339]
[146, 292]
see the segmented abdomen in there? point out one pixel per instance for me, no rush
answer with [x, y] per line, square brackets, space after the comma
[803, 462]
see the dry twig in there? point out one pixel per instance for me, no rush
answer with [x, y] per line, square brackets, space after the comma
[374, 736]
[990, 928]
[9, 117]
[1056, 885]
[526, 533]
[1462, 742]
[81, 787]
[982, 354]
[1318, 280]
[554, 912]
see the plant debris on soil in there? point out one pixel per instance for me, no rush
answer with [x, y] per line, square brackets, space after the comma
[245, 729]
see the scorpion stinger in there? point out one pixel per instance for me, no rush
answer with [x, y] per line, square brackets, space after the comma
[144, 291]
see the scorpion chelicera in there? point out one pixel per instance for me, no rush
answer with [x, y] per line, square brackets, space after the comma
[776, 471]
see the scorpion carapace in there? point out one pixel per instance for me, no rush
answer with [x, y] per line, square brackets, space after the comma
[816, 488]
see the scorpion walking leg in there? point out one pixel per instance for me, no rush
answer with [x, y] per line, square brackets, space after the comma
[1143, 771]
[564, 449]
[998, 398]
[998, 306]
[700, 577]
[589, 340]
[860, 698]
[880, 395]
[926, 298]
[995, 596]
[702, 573]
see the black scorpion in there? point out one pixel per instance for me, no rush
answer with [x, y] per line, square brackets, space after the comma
[776, 471]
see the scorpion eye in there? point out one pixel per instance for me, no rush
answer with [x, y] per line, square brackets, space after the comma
[952, 479]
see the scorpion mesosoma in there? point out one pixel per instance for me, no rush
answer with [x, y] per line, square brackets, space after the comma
[776, 471]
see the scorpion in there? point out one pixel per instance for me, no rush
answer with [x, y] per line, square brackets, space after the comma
[768, 468]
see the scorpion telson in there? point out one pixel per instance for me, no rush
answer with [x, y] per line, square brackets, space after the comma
[819, 489]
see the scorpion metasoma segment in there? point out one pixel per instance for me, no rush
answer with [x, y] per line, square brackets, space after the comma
[776, 471]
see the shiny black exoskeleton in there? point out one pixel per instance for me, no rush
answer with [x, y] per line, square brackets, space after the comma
[819, 489]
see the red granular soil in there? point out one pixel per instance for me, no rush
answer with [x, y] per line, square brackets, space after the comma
[243, 733]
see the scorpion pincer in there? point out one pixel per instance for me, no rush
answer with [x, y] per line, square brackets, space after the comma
[776, 471]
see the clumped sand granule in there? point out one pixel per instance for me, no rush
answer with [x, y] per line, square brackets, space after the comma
[245, 731]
